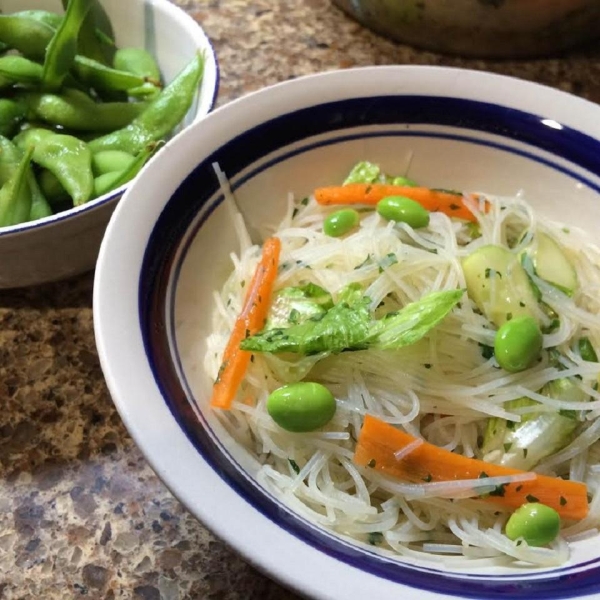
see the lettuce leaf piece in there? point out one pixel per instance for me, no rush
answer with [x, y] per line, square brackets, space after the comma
[413, 321]
[294, 305]
[345, 326]
[363, 172]
[349, 325]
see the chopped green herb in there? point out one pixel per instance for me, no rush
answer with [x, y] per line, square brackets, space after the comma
[243, 284]
[389, 260]
[364, 262]
[454, 206]
[507, 447]
[499, 491]
[427, 478]
[294, 466]
[521, 304]
[562, 501]
[509, 316]
[486, 351]
[489, 273]
[524, 452]
[518, 488]
[427, 365]
[372, 463]
[531, 498]
[483, 475]
[304, 201]
[375, 538]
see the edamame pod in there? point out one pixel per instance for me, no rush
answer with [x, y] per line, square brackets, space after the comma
[161, 116]
[100, 77]
[111, 161]
[69, 159]
[42, 16]
[10, 157]
[111, 181]
[11, 114]
[15, 199]
[62, 49]
[137, 61]
[74, 110]
[96, 38]
[52, 188]
[39, 205]
[28, 36]
[19, 69]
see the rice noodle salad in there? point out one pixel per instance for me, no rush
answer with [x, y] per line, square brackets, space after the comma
[415, 369]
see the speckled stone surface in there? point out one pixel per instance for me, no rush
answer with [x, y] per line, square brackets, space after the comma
[81, 513]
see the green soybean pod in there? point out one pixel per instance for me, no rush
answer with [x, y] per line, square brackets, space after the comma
[52, 189]
[160, 117]
[340, 222]
[75, 111]
[111, 161]
[12, 113]
[111, 181]
[96, 37]
[62, 48]
[10, 157]
[39, 205]
[518, 344]
[28, 36]
[403, 210]
[137, 61]
[301, 407]
[19, 69]
[15, 198]
[101, 77]
[70, 160]
[46, 17]
[534, 522]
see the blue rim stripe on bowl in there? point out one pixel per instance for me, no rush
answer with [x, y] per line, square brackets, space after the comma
[161, 263]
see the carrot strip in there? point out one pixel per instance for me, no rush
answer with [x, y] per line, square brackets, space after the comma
[250, 321]
[371, 193]
[378, 441]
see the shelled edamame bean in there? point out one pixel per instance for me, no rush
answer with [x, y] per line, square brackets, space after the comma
[79, 117]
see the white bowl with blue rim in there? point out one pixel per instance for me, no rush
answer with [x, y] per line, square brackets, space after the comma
[67, 243]
[158, 268]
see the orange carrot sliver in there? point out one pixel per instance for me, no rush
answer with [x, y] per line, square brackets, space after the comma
[250, 321]
[378, 441]
[371, 193]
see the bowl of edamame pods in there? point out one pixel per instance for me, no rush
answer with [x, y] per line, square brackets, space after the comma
[357, 332]
[89, 91]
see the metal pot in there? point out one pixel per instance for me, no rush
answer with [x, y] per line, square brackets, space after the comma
[483, 28]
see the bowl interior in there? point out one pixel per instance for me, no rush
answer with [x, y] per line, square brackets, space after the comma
[184, 243]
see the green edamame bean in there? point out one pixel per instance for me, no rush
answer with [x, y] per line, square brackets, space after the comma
[518, 344]
[303, 406]
[28, 36]
[161, 116]
[404, 181]
[137, 61]
[12, 114]
[536, 523]
[341, 222]
[111, 161]
[586, 350]
[403, 210]
[15, 198]
[75, 111]
[62, 48]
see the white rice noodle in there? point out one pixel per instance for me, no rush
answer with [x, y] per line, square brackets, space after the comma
[441, 390]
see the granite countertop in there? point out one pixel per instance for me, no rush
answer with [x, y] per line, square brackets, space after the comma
[81, 512]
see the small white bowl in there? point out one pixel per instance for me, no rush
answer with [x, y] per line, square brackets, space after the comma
[158, 269]
[67, 243]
